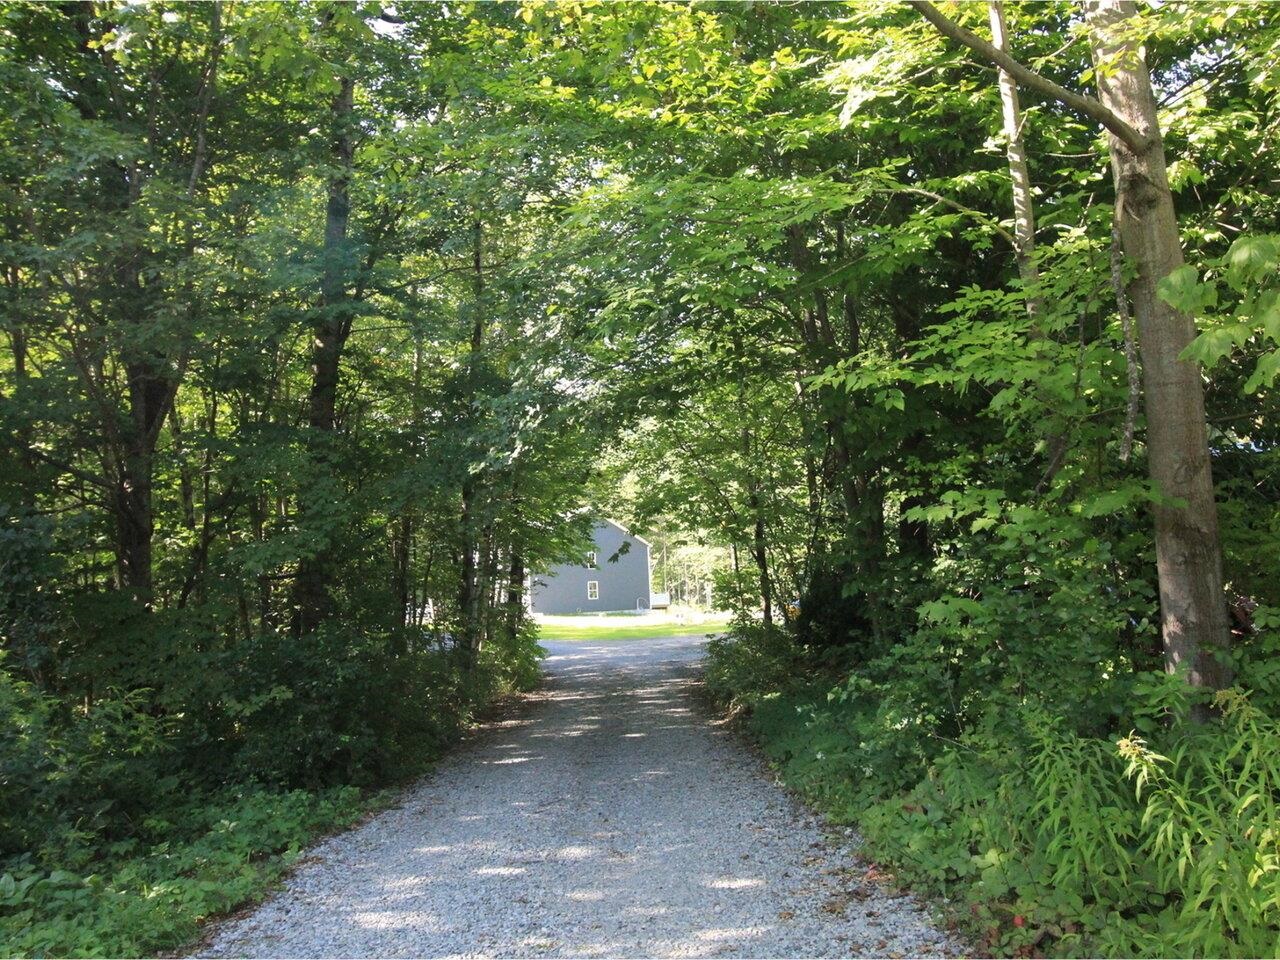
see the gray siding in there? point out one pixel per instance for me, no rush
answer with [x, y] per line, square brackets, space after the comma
[563, 588]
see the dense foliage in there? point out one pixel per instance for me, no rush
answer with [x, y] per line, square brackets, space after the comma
[1044, 839]
[328, 323]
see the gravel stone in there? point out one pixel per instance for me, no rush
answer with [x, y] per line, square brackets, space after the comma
[608, 815]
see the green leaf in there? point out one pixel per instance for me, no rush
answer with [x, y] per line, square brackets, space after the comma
[1267, 313]
[1264, 374]
[1211, 346]
[1250, 259]
[1183, 290]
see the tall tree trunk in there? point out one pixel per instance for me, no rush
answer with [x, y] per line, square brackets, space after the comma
[151, 389]
[404, 587]
[468, 585]
[467, 578]
[200, 556]
[759, 544]
[838, 425]
[484, 597]
[819, 338]
[1193, 606]
[186, 480]
[761, 555]
[21, 441]
[1024, 220]
[426, 592]
[331, 327]
[402, 556]
[1193, 614]
[152, 377]
[333, 320]
[515, 591]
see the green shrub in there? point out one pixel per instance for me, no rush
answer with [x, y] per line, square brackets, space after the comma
[1211, 833]
[750, 661]
[326, 710]
[68, 772]
[1165, 843]
[127, 819]
[188, 862]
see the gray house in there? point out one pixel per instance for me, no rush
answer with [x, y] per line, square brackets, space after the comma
[610, 577]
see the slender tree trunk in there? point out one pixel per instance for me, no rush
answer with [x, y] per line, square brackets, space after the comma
[467, 578]
[813, 486]
[334, 317]
[23, 436]
[1024, 220]
[404, 587]
[186, 482]
[820, 339]
[843, 451]
[331, 327]
[913, 535]
[759, 545]
[1188, 550]
[259, 508]
[152, 381]
[759, 551]
[484, 596]
[199, 563]
[426, 590]
[151, 391]
[333, 321]
[401, 561]
[468, 585]
[515, 591]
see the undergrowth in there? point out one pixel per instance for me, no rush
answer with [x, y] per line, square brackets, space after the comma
[123, 826]
[150, 893]
[1162, 841]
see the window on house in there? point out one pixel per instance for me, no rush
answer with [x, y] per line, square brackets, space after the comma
[593, 589]
[591, 560]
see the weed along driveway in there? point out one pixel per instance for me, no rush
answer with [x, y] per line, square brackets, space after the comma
[607, 815]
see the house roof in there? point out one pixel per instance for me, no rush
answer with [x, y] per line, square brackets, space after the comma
[626, 532]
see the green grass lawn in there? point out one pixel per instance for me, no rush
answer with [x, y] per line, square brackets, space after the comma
[612, 630]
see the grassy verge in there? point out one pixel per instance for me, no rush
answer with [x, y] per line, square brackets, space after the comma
[614, 631]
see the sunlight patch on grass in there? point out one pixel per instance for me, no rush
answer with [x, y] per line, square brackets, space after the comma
[639, 631]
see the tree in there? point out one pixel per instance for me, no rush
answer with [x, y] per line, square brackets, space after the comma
[1188, 549]
[332, 328]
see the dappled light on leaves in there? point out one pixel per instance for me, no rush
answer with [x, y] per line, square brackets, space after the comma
[932, 346]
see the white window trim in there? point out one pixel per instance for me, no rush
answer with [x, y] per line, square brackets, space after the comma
[593, 589]
[591, 559]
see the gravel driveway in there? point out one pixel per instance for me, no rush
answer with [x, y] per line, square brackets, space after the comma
[609, 815]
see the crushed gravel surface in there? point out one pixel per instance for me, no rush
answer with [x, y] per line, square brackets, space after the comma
[608, 815]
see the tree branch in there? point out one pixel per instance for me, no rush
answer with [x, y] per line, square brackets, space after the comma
[1028, 78]
[208, 84]
[89, 478]
[961, 208]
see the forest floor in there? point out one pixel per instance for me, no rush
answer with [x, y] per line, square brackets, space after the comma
[608, 814]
